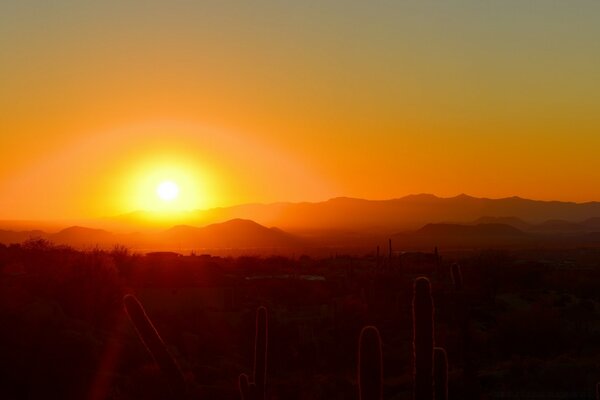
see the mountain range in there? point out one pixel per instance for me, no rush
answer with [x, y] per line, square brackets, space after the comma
[233, 234]
[406, 213]
[415, 221]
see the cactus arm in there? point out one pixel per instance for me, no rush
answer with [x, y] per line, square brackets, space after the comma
[370, 366]
[440, 373]
[155, 345]
[423, 339]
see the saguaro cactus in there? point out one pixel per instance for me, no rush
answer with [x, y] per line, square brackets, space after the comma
[255, 389]
[456, 274]
[155, 345]
[370, 366]
[423, 339]
[462, 319]
[440, 373]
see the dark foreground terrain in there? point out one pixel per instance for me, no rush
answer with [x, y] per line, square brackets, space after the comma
[523, 325]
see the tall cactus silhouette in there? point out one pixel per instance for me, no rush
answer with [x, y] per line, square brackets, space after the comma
[462, 319]
[440, 373]
[255, 390]
[430, 363]
[155, 345]
[423, 339]
[456, 275]
[370, 366]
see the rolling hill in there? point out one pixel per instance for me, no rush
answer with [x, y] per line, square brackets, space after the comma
[236, 233]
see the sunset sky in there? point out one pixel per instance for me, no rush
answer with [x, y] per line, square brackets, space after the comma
[265, 101]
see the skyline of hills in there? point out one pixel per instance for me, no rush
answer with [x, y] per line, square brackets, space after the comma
[405, 213]
[351, 214]
[237, 233]
[415, 210]
[416, 221]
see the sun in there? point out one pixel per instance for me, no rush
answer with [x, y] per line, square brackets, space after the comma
[167, 190]
[166, 186]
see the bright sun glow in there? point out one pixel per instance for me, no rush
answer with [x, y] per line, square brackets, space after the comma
[166, 185]
[167, 190]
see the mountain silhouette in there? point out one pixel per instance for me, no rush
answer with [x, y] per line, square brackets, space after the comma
[79, 235]
[498, 230]
[406, 213]
[511, 221]
[560, 226]
[343, 221]
[450, 236]
[233, 234]
[10, 236]
[236, 233]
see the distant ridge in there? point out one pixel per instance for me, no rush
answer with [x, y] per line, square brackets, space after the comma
[500, 230]
[338, 222]
[79, 235]
[247, 235]
[558, 225]
[511, 221]
[406, 213]
[9, 236]
[451, 236]
[354, 214]
[237, 233]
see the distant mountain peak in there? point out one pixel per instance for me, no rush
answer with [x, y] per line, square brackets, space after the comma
[420, 197]
[463, 196]
[234, 233]
[81, 229]
[241, 221]
[237, 223]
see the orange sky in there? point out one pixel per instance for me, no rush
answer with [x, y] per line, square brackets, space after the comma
[272, 101]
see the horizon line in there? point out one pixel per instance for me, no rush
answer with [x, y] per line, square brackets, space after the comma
[179, 212]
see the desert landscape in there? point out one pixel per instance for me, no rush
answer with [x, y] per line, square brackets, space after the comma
[299, 200]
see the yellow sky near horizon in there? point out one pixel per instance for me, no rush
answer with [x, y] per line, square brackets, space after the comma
[279, 101]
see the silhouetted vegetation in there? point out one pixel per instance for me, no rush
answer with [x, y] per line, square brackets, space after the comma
[156, 346]
[256, 389]
[440, 373]
[370, 367]
[423, 342]
[522, 324]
